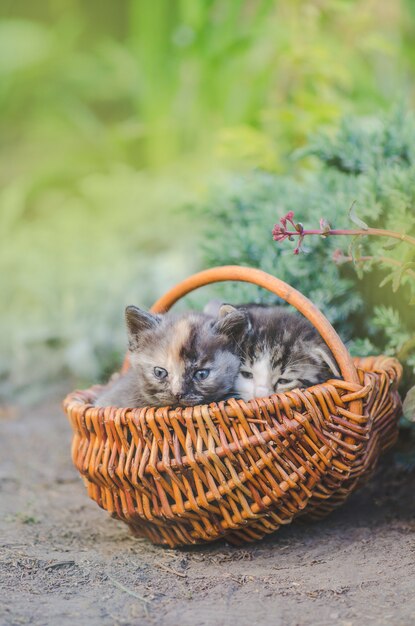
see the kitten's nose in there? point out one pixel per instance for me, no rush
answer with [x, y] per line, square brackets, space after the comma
[186, 399]
[263, 390]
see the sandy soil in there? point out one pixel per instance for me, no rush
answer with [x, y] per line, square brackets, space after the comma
[64, 561]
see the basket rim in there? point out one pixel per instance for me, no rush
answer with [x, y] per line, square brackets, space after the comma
[347, 391]
[278, 287]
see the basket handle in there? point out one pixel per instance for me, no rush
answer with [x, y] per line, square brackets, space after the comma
[281, 289]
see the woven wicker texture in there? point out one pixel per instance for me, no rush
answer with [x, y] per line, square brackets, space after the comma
[238, 469]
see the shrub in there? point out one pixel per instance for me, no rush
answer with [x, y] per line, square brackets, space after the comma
[364, 172]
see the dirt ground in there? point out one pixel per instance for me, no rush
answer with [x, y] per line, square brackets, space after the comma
[65, 561]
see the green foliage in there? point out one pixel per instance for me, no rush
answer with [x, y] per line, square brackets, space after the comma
[111, 117]
[389, 322]
[88, 251]
[368, 164]
[142, 83]
[364, 144]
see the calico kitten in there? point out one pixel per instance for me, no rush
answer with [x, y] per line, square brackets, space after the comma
[185, 359]
[280, 350]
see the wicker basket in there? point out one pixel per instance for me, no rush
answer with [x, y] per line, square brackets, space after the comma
[238, 469]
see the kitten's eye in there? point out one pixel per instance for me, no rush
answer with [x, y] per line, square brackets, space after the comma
[283, 381]
[246, 374]
[201, 374]
[160, 372]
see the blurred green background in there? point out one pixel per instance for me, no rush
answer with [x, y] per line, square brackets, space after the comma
[117, 121]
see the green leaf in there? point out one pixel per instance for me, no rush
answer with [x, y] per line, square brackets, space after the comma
[392, 244]
[356, 219]
[396, 279]
[408, 266]
[409, 405]
[355, 251]
[397, 276]
[386, 280]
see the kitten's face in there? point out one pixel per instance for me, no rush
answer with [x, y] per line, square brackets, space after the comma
[183, 360]
[279, 352]
[270, 373]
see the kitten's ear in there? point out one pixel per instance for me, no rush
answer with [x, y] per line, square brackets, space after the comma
[231, 322]
[325, 355]
[213, 307]
[137, 321]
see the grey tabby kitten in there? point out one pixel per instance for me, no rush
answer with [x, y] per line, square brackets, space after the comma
[280, 350]
[185, 359]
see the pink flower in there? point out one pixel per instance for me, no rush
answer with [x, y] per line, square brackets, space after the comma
[288, 218]
[297, 250]
[338, 256]
[279, 233]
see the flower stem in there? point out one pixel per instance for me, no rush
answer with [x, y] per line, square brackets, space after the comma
[378, 232]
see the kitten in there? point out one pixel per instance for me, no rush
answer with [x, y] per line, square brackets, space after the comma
[280, 350]
[185, 359]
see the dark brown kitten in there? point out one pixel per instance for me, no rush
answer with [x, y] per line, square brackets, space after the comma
[176, 359]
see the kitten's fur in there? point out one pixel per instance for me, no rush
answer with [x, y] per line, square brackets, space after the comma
[180, 345]
[279, 351]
